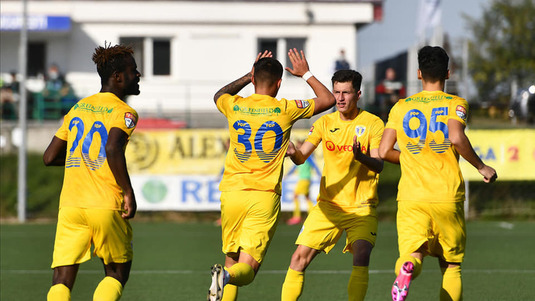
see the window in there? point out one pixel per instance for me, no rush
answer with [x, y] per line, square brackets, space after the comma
[282, 45]
[161, 60]
[152, 55]
[137, 45]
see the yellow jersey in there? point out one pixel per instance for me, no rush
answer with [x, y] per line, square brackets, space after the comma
[346, 183]
[259, 128]
[429, 162]
[88, 180]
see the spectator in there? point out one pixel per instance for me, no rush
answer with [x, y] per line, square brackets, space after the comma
[388, 92]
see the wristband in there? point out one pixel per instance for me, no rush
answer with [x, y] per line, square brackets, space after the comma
[307, 75]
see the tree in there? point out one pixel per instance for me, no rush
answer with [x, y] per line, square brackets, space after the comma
[502, 51]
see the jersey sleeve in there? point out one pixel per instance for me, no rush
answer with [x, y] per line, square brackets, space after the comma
[125, 119]
[315, 133]
[63, 132]
[392, 117]
[459, 110]
[300, 109]
[376, 133]
[224, 102]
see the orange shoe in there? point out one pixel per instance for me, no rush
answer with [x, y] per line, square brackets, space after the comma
[294, 221]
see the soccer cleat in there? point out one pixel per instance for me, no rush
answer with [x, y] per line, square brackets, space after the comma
[400, 289]
[215, 293]
[294, 221]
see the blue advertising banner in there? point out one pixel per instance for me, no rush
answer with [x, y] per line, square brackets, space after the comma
[36, 23]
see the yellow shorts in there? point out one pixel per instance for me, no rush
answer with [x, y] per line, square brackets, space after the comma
[440, 225]
[248, 221]
[325, 224]
[78, 228]
[302, 187]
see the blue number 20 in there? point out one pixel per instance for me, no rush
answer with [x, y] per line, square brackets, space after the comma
[244, 139]
[421, 131]
[98, 127]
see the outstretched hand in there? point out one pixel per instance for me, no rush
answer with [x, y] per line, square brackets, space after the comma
[299, 63]
[261, 55]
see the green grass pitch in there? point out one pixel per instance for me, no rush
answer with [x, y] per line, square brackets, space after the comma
[172, 261]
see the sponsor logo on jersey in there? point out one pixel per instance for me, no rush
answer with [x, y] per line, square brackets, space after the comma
[359, 130]
[129, 120]
[334, 130]
[82, 106]
[302, 103]
[332, 147]
[257, 111]
[461, 112]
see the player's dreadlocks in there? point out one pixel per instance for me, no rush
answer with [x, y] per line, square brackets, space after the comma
[110, 59]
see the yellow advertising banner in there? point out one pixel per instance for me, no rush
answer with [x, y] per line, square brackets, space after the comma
[510, 152]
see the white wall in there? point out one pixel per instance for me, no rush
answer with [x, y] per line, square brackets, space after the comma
[212, 43]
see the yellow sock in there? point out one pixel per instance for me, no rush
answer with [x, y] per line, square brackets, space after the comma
[293, 285]
[240, 274]
[109, 289]
[230, 293]
[452, 285]
[59, 292]
[358, 283]
[415, 261]
[297, 208]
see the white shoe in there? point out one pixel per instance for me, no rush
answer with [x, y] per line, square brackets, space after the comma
[215, 293]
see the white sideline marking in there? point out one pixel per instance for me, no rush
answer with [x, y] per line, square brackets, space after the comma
[279, 272]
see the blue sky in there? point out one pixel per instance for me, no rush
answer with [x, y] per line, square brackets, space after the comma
[397, 31]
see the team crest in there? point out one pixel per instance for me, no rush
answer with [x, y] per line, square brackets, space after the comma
[302, 103]
[359, 130]
[461, 112]
[129, 120]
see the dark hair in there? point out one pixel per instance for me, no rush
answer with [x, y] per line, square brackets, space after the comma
[344, 76]
[433, 63]
[267, 70]
[110, 59]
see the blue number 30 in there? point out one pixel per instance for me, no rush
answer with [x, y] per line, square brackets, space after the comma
[98, 127]
[258, 140]
[421, 131]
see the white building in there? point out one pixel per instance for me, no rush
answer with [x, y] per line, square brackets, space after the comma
[185, 50]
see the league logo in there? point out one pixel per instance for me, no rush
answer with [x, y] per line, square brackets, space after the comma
[461, 112]
[129, 120]
[302, 103]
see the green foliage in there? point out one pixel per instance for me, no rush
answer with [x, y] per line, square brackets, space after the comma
[502, 50]
[43, 186]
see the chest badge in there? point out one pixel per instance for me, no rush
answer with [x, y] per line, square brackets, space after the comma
[359, 130]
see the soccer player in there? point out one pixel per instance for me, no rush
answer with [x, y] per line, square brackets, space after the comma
[429, 129]
[302, 187]
[97, 198]
[259, 128]
[348, 190]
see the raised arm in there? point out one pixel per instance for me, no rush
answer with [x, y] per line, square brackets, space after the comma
[115, 145]
[373, 161]
[55, 152]
[300, 155]
[324, 98]
[234, 87]
[387, 151]
[464, 148]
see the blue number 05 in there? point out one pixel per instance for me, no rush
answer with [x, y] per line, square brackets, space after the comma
[244, 139]
[97, 128]
[421, 131]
